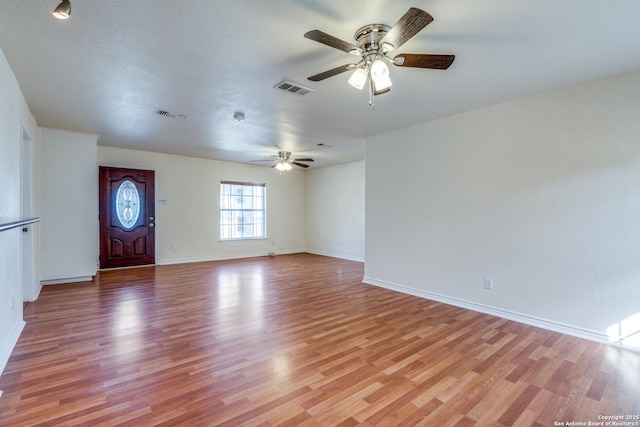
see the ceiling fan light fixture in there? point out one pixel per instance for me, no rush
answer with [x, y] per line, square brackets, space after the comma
[379, 89]
[358, 79]
[373, 43]
[382, 85]
[283, 166]
[379, 70]
[63, 11]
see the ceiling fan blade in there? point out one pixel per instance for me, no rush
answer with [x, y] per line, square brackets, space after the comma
[438, 62]
[302, 165]
[254, 161]
[329, 40]
[331, 73]
[408, 26]
[303, 160]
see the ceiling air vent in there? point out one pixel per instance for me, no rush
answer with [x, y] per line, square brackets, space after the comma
[170, 115]
[293, 88]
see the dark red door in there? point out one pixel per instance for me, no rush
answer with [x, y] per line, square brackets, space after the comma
[127, 217]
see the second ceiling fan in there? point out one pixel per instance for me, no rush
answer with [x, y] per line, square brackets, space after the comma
[284, 161]
[373, 43]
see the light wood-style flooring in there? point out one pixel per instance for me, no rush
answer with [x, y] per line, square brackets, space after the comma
[294, 340]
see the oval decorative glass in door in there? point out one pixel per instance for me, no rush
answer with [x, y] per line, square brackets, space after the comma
[128, 204]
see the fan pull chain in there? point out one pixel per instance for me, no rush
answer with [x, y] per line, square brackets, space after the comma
[371, 96]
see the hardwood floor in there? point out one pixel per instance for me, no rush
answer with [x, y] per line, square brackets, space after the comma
[294, 340]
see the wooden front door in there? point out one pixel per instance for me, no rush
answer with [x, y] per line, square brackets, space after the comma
[127, 217]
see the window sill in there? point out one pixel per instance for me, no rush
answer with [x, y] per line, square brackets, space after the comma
[246, 239]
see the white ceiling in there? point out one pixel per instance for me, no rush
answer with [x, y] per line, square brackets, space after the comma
[109, 68]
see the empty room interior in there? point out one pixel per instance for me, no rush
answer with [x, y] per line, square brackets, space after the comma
[319, 213]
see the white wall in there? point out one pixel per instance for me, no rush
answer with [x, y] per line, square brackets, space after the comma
[190, 219]
[14, 115]
[335, 211]
[69, 186]
[541, 194]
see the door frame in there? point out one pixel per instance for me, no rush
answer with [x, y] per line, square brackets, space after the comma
[157, 226]
[31, 285]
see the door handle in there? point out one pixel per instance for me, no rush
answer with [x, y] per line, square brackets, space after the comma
[151, 218]
[152, 224]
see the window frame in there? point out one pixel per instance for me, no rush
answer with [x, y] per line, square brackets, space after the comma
[241, 209]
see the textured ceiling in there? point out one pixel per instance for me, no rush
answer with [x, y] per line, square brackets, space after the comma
[109, 68]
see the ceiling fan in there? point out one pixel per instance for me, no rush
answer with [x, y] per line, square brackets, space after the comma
[373, 43]
[284, 161]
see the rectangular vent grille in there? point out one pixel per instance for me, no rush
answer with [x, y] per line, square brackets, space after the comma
[293, 88]
[173, 116]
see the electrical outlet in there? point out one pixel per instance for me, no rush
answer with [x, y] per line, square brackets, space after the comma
[488, 284]
[174, 248]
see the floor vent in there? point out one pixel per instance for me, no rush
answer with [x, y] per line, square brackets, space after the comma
[293, 88]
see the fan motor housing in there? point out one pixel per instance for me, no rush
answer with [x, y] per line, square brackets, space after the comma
[284, 155]
[368, 37]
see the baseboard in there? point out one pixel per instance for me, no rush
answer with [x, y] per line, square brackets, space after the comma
[254, 255]
[335, 255]
[38, 290]
[226, 257]
[67, 280]
[502, 313]
[7, 347]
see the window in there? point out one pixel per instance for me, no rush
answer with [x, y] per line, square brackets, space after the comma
[128, 204]
[243, 210]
